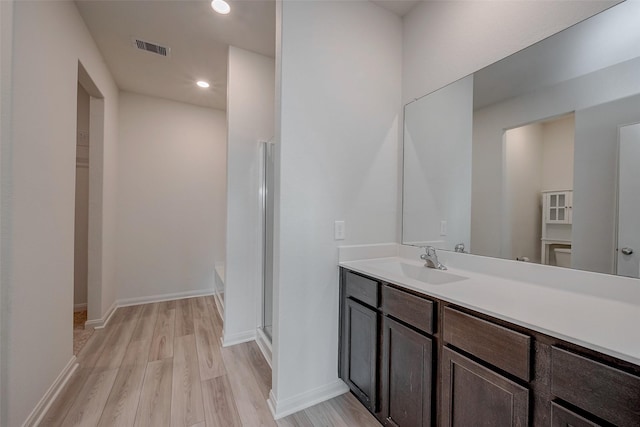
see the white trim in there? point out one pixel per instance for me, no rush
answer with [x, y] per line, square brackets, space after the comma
[219, 304]
[125, 302]
[264, 344]
[305, 400]
[80, 307]
[35, 417]
[102, 322]
[239, 338]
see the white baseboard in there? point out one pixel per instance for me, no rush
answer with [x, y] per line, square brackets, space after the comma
[264, 344]
[80, 307]
[102, 322]
[239, 338]
[51, 394]
[283, 408]
[125, 302]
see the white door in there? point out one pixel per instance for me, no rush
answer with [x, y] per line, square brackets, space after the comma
[629, 202]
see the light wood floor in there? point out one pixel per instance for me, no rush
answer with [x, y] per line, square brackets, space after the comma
[162, 365]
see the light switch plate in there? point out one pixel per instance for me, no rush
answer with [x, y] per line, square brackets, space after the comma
[338, 230]
[443, 228]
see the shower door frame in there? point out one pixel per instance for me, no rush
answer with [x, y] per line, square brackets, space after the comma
[264, 339]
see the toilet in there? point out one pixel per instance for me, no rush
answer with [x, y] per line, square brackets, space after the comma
[563, 257]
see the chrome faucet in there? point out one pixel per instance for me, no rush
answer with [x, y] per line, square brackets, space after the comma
[431, 258]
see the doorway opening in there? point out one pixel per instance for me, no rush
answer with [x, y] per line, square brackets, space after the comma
[81, 224]
[88, 206]
[538, 189]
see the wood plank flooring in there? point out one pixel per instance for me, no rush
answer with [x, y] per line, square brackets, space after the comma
[162, 365]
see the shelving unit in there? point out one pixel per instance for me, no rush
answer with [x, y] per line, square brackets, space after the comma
[557, 217]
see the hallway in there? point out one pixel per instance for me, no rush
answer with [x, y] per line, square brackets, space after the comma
[162, 364]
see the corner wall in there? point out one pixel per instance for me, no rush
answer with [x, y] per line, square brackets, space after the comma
[437, 177]
[168, 155]
[340, 84]
[49, 38]
[523, 153]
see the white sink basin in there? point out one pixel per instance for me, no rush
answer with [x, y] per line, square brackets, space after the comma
[427, 275]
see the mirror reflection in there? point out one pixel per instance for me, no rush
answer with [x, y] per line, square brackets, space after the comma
[534, 158]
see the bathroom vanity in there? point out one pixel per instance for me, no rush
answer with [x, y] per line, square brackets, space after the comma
[462, 348]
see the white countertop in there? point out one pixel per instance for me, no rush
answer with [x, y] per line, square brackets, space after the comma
[608, 325]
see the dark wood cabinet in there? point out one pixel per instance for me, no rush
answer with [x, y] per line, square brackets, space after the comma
[494, 344]
[408, 308]
[474, 395]
[608, 393]
[416, 361]
[407, 369]
[360, 351]
[563, 417]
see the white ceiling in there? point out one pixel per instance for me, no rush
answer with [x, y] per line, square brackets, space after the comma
[198, 38]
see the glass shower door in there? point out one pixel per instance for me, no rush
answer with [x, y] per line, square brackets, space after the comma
[267, 264]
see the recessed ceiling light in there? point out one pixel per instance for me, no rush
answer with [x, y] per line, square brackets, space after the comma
[202, 84]
[221, 6]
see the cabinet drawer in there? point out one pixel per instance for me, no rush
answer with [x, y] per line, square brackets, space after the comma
[601, 390]
[409, 308]
[503, 348]
[362, 289]
[562, 417]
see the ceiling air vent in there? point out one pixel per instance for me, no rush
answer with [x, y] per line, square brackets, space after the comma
[151, 47]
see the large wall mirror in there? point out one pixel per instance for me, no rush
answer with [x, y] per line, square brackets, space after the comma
[536, 157]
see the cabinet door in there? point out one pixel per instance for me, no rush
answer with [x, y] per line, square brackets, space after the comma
[407, 364]
[559, 207]
[473, 395]
[360, 351]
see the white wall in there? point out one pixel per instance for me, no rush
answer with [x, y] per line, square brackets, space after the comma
[437, 167]
[596, 174]
[250, 118]
[537, 157]
[557, 154]
[523, 154]
[6, 40]
[167, 196]
[340, 102]
[39, 203]
[446, 40]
